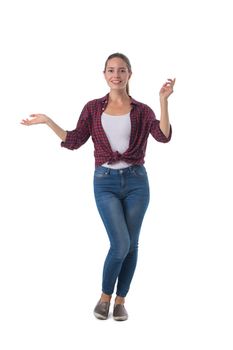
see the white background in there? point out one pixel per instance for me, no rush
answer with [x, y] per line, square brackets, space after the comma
[52, 241]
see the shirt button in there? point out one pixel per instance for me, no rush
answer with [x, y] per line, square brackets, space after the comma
[121, 171]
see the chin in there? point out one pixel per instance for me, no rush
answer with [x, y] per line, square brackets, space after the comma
[117, 87]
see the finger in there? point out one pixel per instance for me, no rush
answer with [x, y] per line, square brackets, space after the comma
[166, 84]
[172, 81]
[24, 122]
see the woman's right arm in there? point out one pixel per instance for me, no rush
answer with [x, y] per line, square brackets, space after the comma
[44, 119]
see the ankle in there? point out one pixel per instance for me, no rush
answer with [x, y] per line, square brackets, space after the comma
[105, 298]
[119, 300]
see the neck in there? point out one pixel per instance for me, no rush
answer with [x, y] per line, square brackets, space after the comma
[118, 96]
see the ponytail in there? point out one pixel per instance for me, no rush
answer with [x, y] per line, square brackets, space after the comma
[127, 89]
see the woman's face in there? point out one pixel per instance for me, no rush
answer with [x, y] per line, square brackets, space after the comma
[117, 74]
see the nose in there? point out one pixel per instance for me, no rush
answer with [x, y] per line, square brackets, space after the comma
[116, 74]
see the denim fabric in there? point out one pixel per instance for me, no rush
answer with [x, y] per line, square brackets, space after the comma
[122, 197]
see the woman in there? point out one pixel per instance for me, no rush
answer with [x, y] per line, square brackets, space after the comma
[119, 126]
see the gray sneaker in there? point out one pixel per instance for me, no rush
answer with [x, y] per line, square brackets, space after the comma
[120, 313]
[101, 310]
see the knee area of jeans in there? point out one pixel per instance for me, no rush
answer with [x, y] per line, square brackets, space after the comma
[121, 254]
[133, 249]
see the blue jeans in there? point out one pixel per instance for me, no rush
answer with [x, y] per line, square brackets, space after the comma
[122, 197]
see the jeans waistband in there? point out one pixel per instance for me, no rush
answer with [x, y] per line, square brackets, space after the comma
[128, 170]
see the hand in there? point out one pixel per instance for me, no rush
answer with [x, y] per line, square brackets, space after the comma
[167, 89]
[35, 119]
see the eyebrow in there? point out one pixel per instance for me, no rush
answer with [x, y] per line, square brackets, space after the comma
[118, 67]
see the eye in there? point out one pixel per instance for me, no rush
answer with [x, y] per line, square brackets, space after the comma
[110, 70]
[123, 71]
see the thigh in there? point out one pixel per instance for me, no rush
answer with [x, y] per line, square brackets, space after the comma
[136, 202]
[135, 207]
[111, 210]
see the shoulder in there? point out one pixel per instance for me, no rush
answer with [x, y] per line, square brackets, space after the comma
[143, 108]
[93, 108]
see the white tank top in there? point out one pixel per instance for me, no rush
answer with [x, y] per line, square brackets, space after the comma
[117, 130]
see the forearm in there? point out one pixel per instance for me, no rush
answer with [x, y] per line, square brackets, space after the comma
[164, 117]
[57, 129]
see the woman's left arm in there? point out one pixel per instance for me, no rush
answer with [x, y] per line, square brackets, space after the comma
[165, 92]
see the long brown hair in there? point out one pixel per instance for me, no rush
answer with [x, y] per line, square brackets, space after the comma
[125, 59]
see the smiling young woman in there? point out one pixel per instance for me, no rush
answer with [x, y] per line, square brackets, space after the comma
[119, 127]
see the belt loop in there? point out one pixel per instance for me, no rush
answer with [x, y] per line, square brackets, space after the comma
[132, 168]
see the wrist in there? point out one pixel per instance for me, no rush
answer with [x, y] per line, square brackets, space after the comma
[163, 100]
[48, 120]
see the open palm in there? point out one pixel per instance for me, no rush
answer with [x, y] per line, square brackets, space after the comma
[35, 119]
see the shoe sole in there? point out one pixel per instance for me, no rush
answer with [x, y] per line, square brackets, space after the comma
[120, 318]
[99, 316]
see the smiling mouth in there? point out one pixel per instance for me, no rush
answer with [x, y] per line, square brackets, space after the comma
[116, 81]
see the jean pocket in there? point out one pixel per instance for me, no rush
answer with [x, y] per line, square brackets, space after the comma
[101, 172]
[139, 170]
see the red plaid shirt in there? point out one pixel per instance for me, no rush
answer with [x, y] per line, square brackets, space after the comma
[143, 123]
